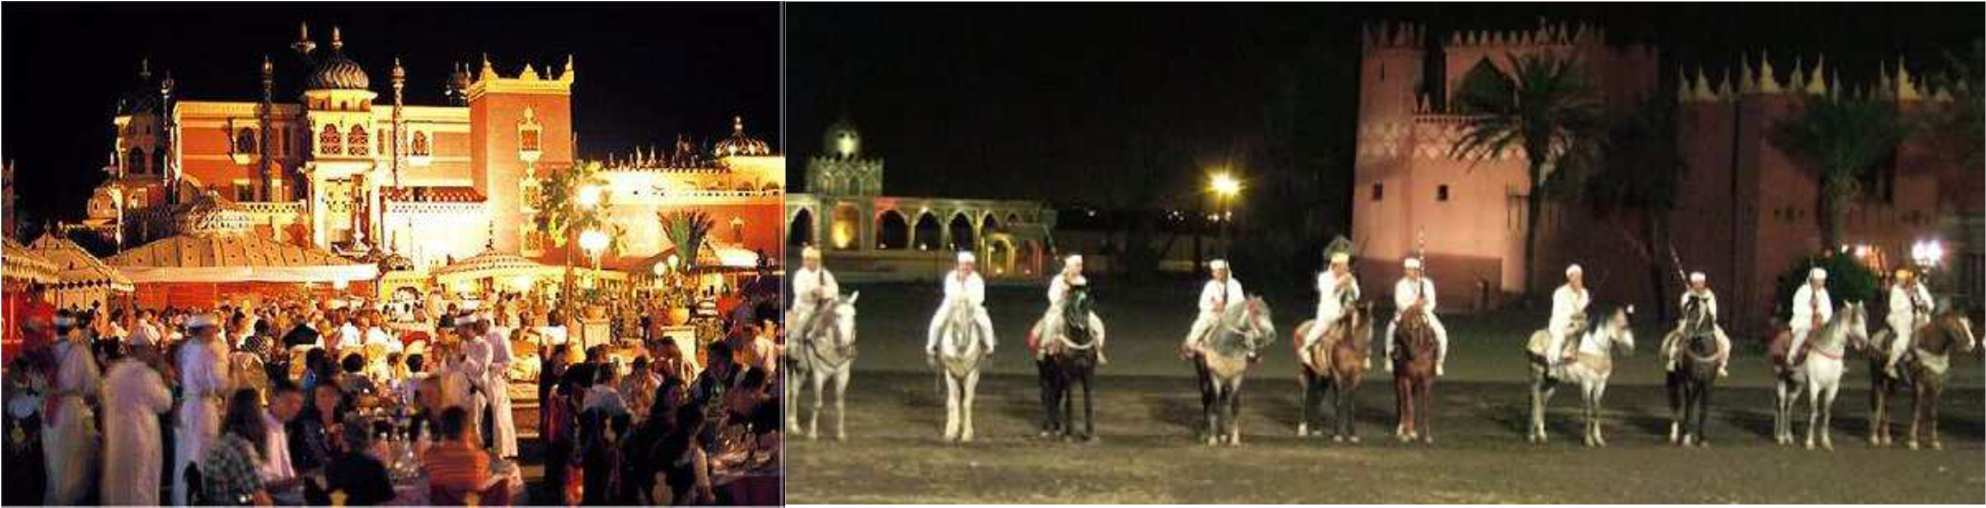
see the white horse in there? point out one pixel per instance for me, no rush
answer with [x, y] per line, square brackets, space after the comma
[961, 352]
[1223, 358]
[1590, 367]
[1818, 375]
[824, 352]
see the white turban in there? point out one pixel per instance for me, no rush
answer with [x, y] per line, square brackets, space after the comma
[1073, 259]
[810, 252]
[1218, 264]
[1341, 258]
[1574, 269]
[1412, 263]
[965, 256]
[1697, 277]
[1817, 273]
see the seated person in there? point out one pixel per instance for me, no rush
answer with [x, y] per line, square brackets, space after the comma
[362, 478]
[353, 379]
[456, 463]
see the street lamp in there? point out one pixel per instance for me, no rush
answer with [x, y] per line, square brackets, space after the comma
[1927, 253]
[589, 196]
[594, 243]
[1225, 188]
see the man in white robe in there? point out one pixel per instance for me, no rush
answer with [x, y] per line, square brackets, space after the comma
[962, 286]
[475, 367]
[813, 285]
[1699, 291]
[1910, 307]
[1415, 293]
[1569, 303]
[503, 429]
[69, 433]
[1811, 310]
[1335, 288]
[1058, 292]
[203, 378]
[1219, 292]
[134, 395]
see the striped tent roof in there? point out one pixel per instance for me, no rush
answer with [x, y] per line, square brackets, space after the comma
[24, 264]
[77, 266]
[489, 263]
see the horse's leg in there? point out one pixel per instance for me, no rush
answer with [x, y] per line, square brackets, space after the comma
[1534, 429]
[1599, 424]
[1827, 415]
[1403, 408]
[819, 379]
[1813, 410]
[1677, 400]
[951, 407]
[840, 401]
[1208, 392]
[1089, 407]
[1424, 412]
[1931, 395]
[1702, 429]
[1066, 395]
[1234, 413]
[965, 416]
[1875, 408]
[1303, 383]
[792, 404]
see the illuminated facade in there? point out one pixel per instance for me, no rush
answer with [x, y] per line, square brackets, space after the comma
[343, 167]
[1745, 212]
[866, 235]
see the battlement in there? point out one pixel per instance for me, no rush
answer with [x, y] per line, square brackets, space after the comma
[1546, 35]
[1802, 81]
[527, 80]
[1388, 35]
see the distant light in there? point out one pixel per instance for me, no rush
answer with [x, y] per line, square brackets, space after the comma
[592, 240]
[1927, 253]
[1225, 185]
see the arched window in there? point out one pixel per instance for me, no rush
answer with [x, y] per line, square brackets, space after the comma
[244, 141]
[962, 233]
[360, 145]
[928, 235]
[892, 231]
[134, 162]
[330, 141]
[420, 143]
[801, 231]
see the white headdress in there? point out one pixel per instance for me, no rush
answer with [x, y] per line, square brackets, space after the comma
[965, 256]
[1218, 264]
[1341, 258]
[1073, 259]
[1697, 277]
[1412, 263]
[1817, 273]
[810, 252]
[200, 320]
[1574, 269]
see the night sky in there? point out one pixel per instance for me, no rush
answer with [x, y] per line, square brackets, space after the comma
[1013, 101]
[646, 73]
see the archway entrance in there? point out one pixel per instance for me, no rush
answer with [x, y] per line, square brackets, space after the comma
[892, 231]
[800, 232]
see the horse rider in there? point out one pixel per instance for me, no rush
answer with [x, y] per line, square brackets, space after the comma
[1415, 293]
[1699, 292]
[962, 283]
[1215, 296]
[1336, 290]
[1910, 307]
[813, 286]
[1811, 310]
[1058, 291]
[1568, 319]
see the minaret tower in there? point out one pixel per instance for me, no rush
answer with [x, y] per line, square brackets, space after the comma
[171, 143]
[267, 191]
[399, 121]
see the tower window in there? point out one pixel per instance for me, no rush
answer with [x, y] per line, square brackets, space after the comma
[244, 141]
[1378, 191]
[420, 143]
[1441, 193]
[360, 145]
[527, 140]
[330, 141]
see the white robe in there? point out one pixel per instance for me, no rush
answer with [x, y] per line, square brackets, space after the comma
[69, 436]
[1909, 308]
[971, 289]
[1215, 296]
[1405, 293]
[1330, 303]
[1566, 303]
[504, 430]
[1807, 304]
[134, 396]
[203, 379]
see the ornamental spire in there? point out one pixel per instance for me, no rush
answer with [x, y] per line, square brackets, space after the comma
[337, 42]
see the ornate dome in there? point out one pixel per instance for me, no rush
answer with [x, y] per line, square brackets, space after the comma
[740, 143]
[208, 217]
[841, 140]
[335, 72]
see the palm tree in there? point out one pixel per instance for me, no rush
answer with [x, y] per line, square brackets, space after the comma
[1545, 106]
[1841, 139]
[561, 213]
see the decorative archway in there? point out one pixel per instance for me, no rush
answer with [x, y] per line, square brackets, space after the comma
[928, 235]
[990, 225]
[892, 230]
[1030, 262]
[800, 230]
[963, 236]
[845, 227]
[999, 257]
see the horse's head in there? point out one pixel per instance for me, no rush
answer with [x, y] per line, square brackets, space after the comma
[1957, 328]
[1076, 308]
[1618, 329]
[1251, 322]
[842, 318]
[1853, 323]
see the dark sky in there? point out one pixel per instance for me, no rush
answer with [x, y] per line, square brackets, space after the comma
[646, 73]
[1011, 100]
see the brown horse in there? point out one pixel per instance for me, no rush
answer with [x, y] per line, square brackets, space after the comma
[1926, 365]
[1343, 353]
[1413, 375]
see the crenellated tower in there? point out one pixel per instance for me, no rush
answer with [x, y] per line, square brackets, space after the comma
[520, 131]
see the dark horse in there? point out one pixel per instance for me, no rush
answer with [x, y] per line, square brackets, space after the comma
[1924, 367]
[1343, 363]
[1690, 383]
[1069, 359]
[1413, 375]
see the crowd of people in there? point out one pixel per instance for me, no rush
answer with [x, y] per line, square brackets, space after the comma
[346, 401]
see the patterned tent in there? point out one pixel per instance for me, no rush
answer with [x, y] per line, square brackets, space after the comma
[84, 279]
[24, 266]
[237, 258]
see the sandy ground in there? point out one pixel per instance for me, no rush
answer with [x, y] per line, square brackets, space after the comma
[1148, 412]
